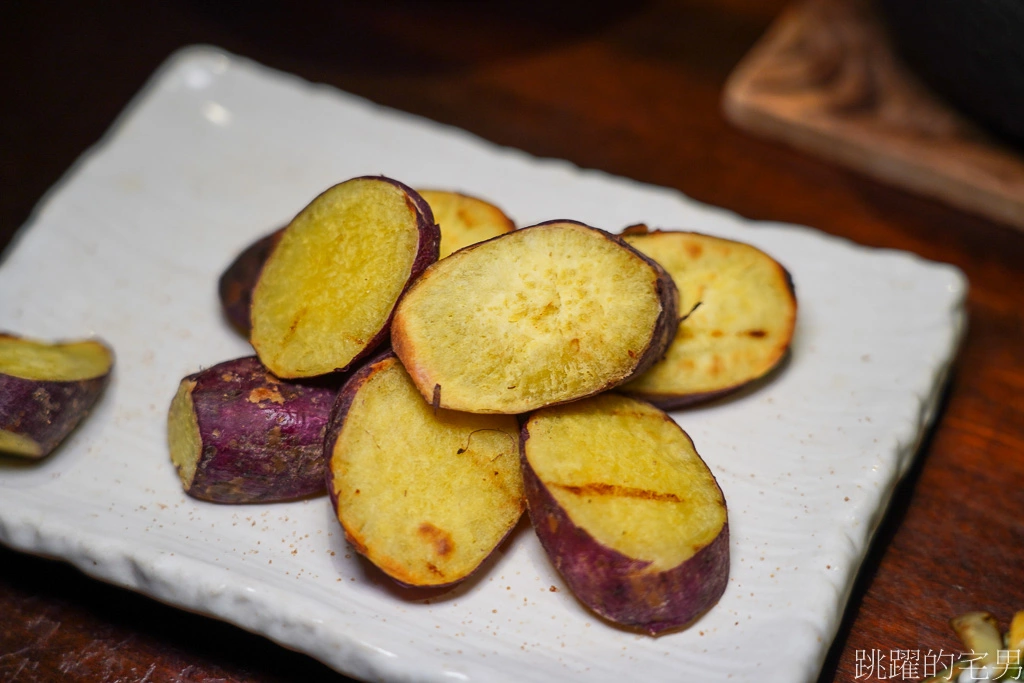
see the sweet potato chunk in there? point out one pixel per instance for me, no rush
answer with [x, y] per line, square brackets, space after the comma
[326, 294]
[425, 495]
[465, 220]
[741, 329]
[538, 316]
[237, 434]
[627, 511]
[46, 389]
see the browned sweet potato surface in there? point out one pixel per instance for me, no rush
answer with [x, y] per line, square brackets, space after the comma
[627, 511]
[46, 389]
[326, 294]
[741, 329]
[237, 434]
[425, 495]
[541, 315]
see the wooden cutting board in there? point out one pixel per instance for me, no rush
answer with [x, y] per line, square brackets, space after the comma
[825, 79]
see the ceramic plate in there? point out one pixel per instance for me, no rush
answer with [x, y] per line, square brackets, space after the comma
[217, 151]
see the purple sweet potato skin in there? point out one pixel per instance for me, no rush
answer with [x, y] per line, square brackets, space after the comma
[238, 280]
[46, 411]
[615, 586]
[262, 438]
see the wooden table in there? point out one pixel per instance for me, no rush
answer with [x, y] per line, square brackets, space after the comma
[632, 88]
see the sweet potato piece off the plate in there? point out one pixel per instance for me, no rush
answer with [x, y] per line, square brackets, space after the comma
[46, 389]
[542, 315]
[627, 511]
[237, 434]
[326, 294]
[741, 328]
[424, 494]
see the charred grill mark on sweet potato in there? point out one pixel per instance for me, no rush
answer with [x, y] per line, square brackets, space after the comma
[756, 334]
[602, 489]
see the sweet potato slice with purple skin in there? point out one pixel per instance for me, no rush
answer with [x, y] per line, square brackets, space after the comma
[239, 279]
[426, 495]
[326, 294]
[629, 514]
[46, 389]
[538, 316]
[742, 326]
[464, 219]
[237, 434]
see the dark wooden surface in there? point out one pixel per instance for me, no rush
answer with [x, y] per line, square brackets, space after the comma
[632, 88]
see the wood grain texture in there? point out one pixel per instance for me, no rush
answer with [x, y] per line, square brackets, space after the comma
[630, 88]
[825, 79]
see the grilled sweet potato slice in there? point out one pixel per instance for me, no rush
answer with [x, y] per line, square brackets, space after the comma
[541, 315]
[425, 495]
[326, 294]
[627, 511]
[465, 220]
[46, 389]
[237, 434]
[741, 329]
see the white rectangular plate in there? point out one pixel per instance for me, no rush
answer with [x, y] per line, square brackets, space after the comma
[217, 151]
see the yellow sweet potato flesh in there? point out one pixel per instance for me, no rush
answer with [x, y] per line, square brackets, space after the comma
[425, 496]
[743, 325]
[19, 444]
[62, 362]
[1015, 636]
[625, 473]
[537, 316]
[332, 281]
[464, 220]
[183, 434]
